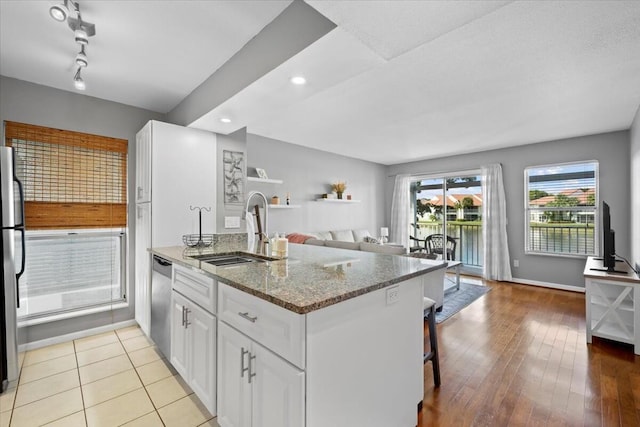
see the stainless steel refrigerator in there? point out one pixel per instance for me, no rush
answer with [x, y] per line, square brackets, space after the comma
[12, 207]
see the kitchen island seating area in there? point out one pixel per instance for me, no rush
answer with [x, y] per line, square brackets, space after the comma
[289, 331]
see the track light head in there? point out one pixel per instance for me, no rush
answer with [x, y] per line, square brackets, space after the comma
[78, 82]
[81, 36]
[81, 58]
[59, 12]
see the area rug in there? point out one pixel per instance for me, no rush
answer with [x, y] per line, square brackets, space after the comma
[456, 300]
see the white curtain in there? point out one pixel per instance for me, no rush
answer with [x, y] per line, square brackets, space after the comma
[400, 206]
[494, 220]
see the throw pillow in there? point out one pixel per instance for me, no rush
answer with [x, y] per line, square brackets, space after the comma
[370, 239]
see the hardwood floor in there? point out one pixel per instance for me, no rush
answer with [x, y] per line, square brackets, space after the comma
[518, 356]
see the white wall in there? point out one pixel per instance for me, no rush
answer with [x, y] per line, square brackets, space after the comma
[610, 149]
[635, 190]
[307, 173]
[25, 102]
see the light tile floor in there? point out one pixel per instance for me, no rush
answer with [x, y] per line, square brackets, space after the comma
[113, 379]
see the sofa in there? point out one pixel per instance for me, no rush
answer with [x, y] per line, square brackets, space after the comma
[361, 240]
[357, 240]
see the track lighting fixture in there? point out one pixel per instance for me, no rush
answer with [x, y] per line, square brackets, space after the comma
[78, 82]
[82, 30]
[59, 12]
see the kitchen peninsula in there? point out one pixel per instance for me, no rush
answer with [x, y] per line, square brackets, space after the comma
[325, 337]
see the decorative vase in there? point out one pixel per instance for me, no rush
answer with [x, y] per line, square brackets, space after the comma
[339, 195]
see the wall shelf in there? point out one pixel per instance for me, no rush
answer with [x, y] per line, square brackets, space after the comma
[264, 180]
[337, 201]
[283, 206]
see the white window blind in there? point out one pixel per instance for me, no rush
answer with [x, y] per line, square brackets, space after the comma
[69, 272]
[561, 208]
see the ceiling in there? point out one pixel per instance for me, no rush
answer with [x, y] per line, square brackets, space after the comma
[395, 81]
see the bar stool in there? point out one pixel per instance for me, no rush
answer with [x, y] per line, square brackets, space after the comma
[430, 316]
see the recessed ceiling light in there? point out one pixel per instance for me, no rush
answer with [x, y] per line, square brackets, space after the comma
[298, 80]
[225, 120]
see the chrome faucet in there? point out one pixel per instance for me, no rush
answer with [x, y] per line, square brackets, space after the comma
[264, 236]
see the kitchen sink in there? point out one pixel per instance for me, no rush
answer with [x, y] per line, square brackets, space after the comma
[230, 259]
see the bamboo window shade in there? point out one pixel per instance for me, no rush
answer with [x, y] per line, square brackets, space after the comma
[71, 179]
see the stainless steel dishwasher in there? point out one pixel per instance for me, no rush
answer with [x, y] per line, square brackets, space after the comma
[161, 305]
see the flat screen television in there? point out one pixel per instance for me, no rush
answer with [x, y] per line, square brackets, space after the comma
[608, 240]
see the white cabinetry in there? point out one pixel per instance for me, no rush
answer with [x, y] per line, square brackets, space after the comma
[612, 304]
[143, 165]
[143, 266]
[258, 388]
[175, 169]
[193, 335]
[324, 368]
[258, 345]
[179, 343]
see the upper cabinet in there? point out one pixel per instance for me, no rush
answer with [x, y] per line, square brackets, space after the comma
[175, 170]
[143, 164]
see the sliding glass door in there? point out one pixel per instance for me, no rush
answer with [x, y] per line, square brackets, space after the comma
[447, 211]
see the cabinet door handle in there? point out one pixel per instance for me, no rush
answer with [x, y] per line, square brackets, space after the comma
[242, 368]
[245, 315]
[139, 193]
[184, 320]
[251, 374]
[186, 317]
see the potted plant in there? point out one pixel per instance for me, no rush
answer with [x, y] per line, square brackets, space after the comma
[339, 188]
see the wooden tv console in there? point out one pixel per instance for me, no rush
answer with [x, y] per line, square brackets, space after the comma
[612, 303]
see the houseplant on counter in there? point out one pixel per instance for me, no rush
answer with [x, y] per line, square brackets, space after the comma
[338, 188]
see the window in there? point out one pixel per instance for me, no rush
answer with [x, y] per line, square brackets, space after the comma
[75, 189]
[560, 209]
[452, 205]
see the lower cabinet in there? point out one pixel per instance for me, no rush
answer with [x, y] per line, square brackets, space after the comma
[193, 348]
[143, 267]
[256, 387]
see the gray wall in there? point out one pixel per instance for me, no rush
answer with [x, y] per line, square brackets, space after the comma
[635, 190]
[307, 173]
[25, 102]
[610, 149]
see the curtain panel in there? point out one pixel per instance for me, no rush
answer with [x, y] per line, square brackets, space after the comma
[494, 220]
[400, 210]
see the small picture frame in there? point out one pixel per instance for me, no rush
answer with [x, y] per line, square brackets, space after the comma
[262, 173]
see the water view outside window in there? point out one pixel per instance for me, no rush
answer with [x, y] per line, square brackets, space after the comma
[451, 206]
[561, 209]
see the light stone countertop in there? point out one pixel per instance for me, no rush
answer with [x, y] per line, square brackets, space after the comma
[312, 277]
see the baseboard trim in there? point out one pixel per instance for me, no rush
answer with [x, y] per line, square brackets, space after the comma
[559, 286]
[75, 335]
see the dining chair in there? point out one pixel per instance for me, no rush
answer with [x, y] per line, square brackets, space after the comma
[436, 244]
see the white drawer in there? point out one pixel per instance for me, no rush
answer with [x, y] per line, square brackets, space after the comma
[197, 287]
[280, 330]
